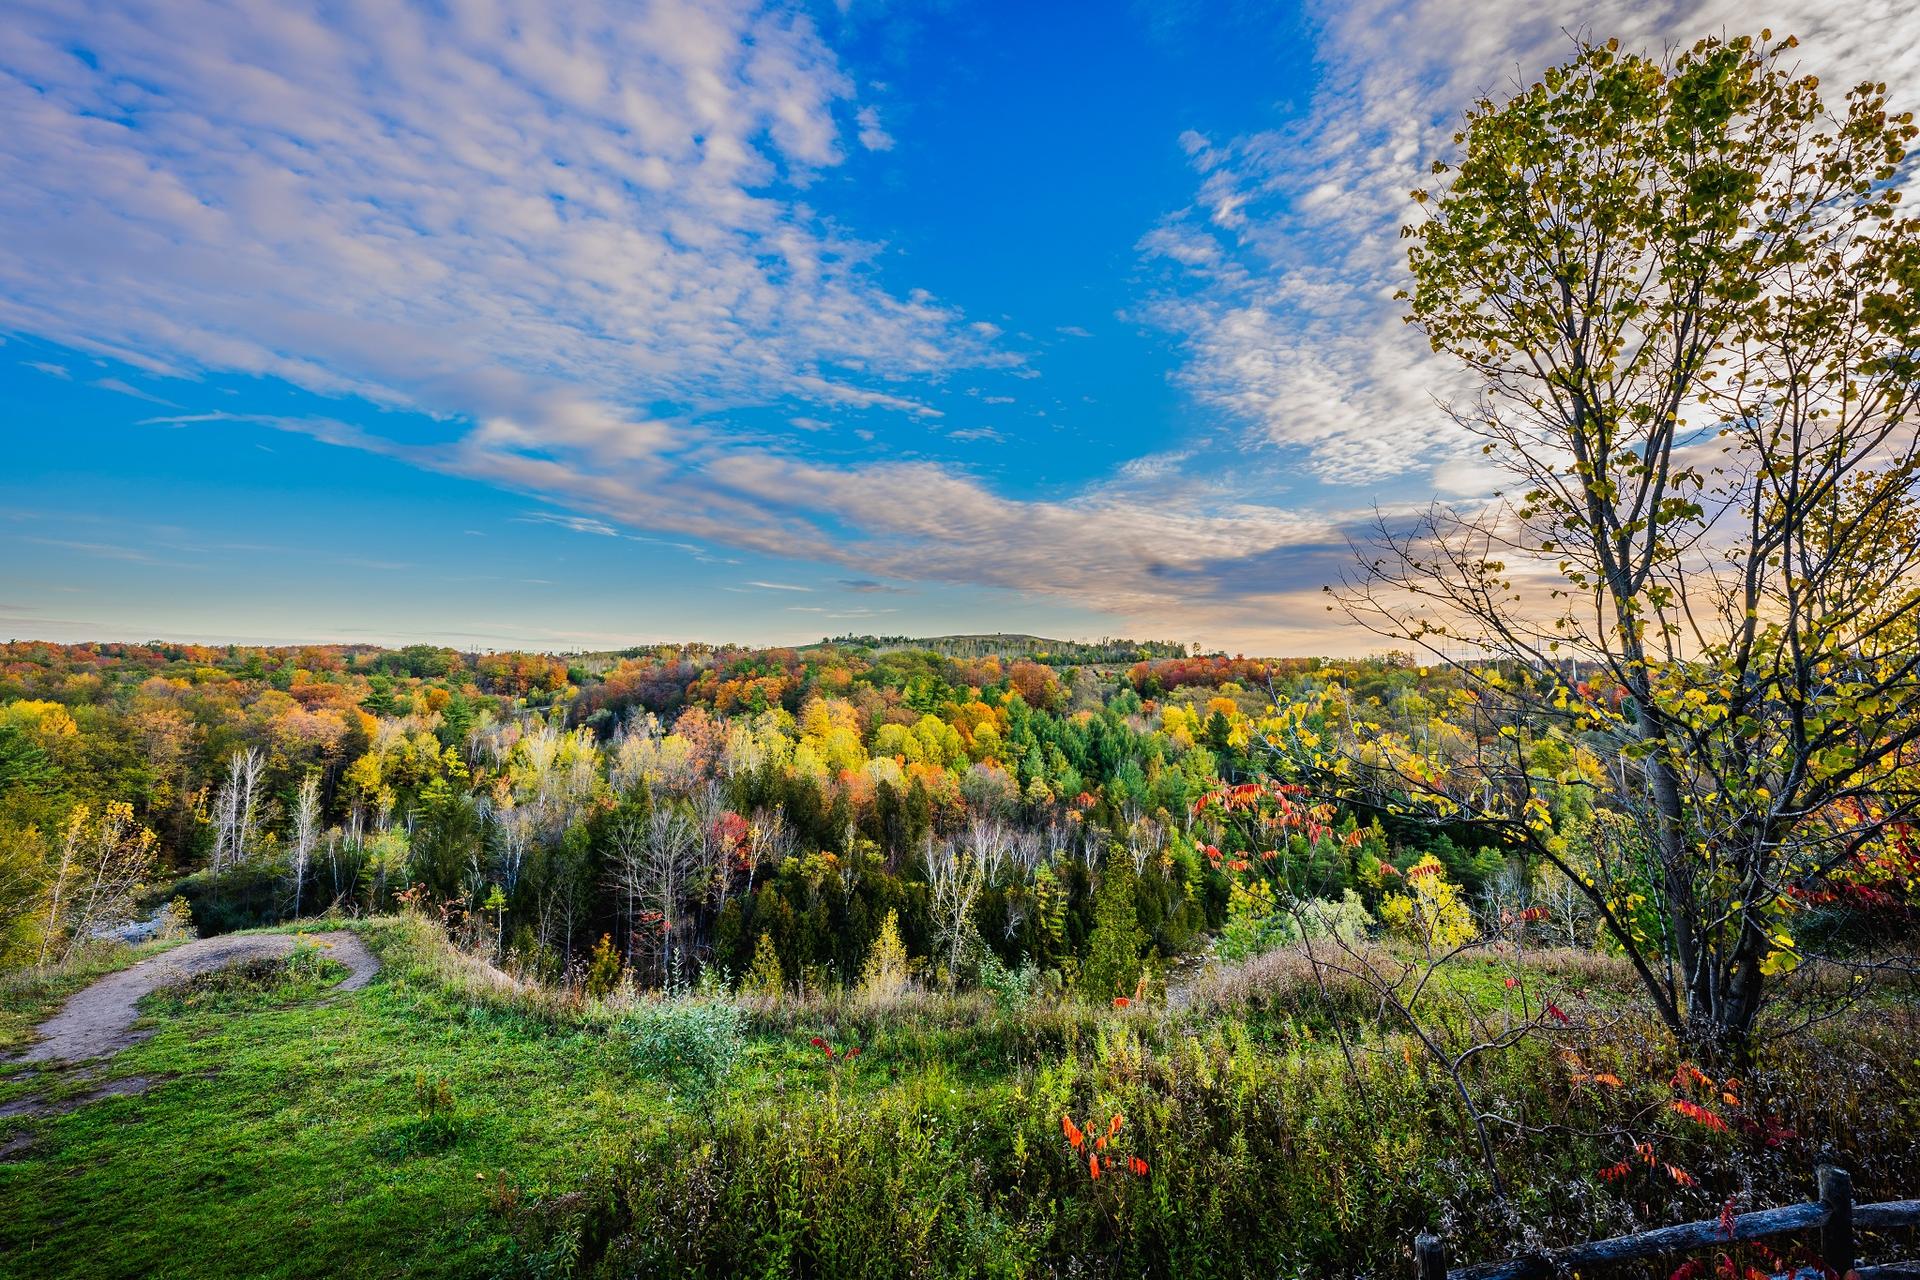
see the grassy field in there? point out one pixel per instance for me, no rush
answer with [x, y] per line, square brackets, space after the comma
[427, 1126]
[287, 1138]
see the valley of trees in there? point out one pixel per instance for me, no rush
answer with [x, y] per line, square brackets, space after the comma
[1591, 904]
[765, 816]
[760, 812]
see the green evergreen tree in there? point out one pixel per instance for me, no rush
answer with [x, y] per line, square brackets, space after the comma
[1112, 966]
[604, 970]
[765, 979]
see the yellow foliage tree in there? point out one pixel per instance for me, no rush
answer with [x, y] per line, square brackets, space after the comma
[765, 979]
[885, 972]
[1432, 912]
[101, 870]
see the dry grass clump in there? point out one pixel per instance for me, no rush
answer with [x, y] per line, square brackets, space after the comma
[1287, 981]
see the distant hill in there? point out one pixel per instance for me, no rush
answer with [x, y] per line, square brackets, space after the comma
[1016, 645]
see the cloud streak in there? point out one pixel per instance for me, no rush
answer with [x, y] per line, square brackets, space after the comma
[1278, 277]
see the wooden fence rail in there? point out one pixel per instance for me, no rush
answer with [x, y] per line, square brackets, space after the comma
[1834, 1215]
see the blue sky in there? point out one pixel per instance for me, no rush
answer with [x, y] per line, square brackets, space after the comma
[477, 324]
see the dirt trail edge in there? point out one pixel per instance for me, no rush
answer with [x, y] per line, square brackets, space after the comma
[99, 1020]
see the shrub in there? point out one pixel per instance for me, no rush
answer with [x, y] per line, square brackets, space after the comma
[436, 1123]
[605, 968]
[1345, 919]
[691, 1044]
[1012, 989]
[176, 921]
[1432, 914]
[1255, 922]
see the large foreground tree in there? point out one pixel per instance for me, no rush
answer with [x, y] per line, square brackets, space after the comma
[1688, 296]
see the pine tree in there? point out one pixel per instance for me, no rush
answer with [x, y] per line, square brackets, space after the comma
[604, 970]
[1113, 966]
[765, 979]
[885, 972]
[1050, 904]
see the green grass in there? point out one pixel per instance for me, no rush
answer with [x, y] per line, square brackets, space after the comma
[250, 987]
[285, 1137]
[276, 1145]
[422, 1127]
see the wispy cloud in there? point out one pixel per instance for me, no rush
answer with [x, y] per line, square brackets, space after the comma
[1279, 275]
[125, 388]
[110, 551]
[853, 614]
[872, 136]
[577, 524]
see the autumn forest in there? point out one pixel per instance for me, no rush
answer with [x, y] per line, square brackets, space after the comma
[1561, 918]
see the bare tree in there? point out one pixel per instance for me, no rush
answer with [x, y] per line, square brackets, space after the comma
[335, 837]
[713, 842]
[988, 843]
[955, 880]
[236, 809]
[1146, 841]
[769, 840]
[562, 904]
[514, 835]
[655, 860]
[306, 834]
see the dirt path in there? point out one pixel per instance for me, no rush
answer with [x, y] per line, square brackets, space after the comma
[99, 1020]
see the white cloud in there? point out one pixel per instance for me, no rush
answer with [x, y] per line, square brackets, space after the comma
[1154, 466]
[872, 136]
[1284, 265]
[577, 524]
[520, 213]
[121, 387]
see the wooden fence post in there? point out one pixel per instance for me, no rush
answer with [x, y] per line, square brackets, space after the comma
[1429, 1257]
[1836, 1237]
